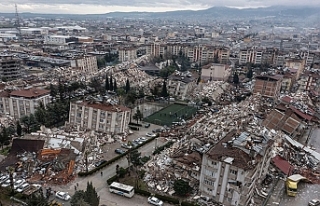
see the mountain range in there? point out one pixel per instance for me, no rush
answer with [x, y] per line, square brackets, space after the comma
[276, 12]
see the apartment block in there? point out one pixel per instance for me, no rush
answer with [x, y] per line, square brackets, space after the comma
[232, 168]
[296, 62]
[268, 86]
[214, 72]
[86, 64]
[23, 102]
[10, 67]
[181, 84]
[127, 54]
[102, 117]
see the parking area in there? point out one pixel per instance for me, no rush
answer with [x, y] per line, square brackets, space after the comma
[109, 148]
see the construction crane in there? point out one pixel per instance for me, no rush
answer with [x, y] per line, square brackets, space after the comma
[17, 23]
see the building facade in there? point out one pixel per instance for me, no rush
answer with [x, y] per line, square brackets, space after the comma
[215, 72]
[86, 64]
[24, 102]
[268, 86]
[230, 171]
[99, 117]
[10, 67]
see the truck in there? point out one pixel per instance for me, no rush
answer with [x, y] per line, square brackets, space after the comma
[292, 184]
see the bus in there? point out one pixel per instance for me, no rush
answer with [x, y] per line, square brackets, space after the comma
[121, 189]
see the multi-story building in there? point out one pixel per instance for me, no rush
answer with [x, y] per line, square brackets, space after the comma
[127, 54]
[296, 62]
[232, 168]
[215, 72]
[85, 64]
[101, 117]
[23, 102]
[181, 84]
[10, 67]
[64, 40]
[268, 86]
[308, 81]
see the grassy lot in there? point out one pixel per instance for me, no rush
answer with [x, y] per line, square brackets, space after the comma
[5, 151]
[171, 113]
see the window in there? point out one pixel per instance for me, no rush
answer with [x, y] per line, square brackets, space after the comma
[214, 163]
[233, 172]
[209, 189]
[208, 182]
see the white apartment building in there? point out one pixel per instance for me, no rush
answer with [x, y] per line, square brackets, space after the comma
[86, 64]
[23, 102]
[127, 54]
[231, 169]
[99, 117]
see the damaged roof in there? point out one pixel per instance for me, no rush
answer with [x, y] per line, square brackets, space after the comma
[286, 121]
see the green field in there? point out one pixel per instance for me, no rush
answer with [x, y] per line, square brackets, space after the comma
[171, 113]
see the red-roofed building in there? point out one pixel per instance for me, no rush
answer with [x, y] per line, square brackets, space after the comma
[23, 102]
[100, 117]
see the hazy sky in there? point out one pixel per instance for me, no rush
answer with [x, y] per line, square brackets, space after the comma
[104, 6]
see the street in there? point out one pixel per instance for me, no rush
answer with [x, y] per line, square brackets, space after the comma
[99, 182]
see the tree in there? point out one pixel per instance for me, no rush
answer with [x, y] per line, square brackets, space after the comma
[138, 115]
[29, 123]
[4, 137]
[19, 129]
[181, 187]
[95, 84]
[53, 91]
[107, 87]
[127, 86]
[134, 157]
[85, 198]
[115, 87]
[37, 199]
[41, 114]
[235, 78]
[250, 73]
[111, 84]
[91, 195]
[164, 92]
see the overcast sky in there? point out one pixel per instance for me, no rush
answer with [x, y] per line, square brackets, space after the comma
[105, 6]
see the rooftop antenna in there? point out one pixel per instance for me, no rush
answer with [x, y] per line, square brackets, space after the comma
[17, 21]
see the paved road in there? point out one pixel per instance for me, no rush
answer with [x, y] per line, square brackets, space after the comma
[306, 192]
[99, 182]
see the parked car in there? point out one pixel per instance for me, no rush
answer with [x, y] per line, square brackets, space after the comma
[149, 134]
[314, 202]
[155, 201]
[99, 163]
[18, 183]
[127, 146]
[138, 141]
[147, 125]
[4, 178]
[142, 139]
[134, 144]
[63, 196]
[6, 183]
[23, 187]
[119, 151]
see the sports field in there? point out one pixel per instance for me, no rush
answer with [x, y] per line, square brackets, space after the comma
[171, 113]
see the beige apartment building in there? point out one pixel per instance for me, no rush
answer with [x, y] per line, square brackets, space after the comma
[231, 169]
[85, 64]
[23, 102]
[215, 72]
[102, 117]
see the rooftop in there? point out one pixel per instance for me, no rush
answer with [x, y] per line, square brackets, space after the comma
[30, 93]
